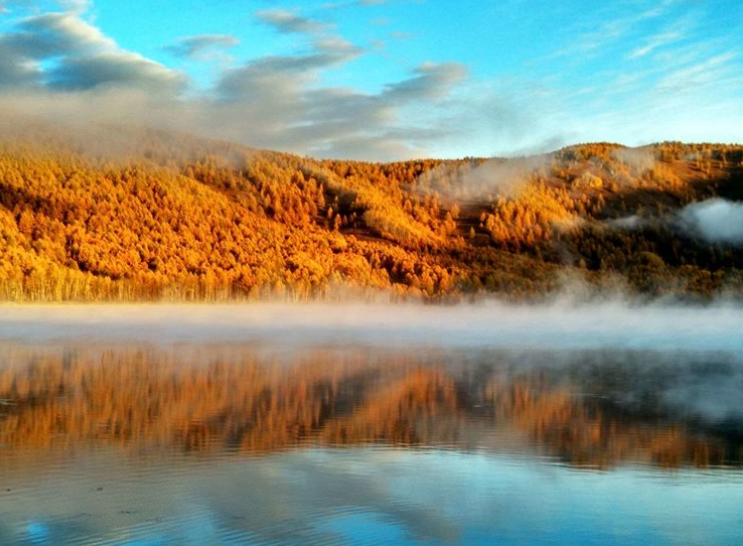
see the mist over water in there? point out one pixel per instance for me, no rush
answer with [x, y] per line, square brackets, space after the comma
[562, 324]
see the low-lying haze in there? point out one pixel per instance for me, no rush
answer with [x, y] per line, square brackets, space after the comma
[560, 325]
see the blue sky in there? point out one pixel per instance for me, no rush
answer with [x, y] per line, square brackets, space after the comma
[384, 79]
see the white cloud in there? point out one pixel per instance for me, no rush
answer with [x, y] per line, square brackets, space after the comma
[77, 55]
[54, 34]
[60, 66]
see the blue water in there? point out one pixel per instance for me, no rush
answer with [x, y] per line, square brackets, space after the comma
[370, 496]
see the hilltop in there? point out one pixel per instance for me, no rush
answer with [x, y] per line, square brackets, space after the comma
[117, 214]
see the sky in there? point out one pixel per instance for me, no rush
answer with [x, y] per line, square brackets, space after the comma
[383, 79]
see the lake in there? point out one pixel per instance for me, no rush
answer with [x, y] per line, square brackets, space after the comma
[279, 424]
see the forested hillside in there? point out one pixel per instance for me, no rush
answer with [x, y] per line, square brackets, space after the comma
[123, 214]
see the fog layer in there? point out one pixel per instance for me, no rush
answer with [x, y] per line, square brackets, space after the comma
[715, 220]
[558, 325]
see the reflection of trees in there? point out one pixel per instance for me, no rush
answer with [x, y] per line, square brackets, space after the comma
[253, 403]
[412, 409]
[586, 431]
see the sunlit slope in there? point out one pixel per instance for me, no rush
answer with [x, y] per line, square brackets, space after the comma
[146, 215]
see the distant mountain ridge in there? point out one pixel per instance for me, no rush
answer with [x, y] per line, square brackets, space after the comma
[113, 214]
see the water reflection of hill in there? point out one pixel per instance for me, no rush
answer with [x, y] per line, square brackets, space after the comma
[587, 409]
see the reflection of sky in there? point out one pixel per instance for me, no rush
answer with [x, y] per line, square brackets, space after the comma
[366, 496]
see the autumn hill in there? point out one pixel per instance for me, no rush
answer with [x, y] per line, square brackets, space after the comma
[147, 215]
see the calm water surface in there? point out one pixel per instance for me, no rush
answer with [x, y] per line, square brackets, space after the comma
[134, 442]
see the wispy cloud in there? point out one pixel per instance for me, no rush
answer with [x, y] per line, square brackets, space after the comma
[429, 81]
[610, 31]
[711, 71]
[677, 31]
[657, 41]
[366, 3]
[650, 72]
[203, 47]
[290, 22]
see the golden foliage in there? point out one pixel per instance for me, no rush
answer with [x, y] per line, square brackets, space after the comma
[191, 219]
